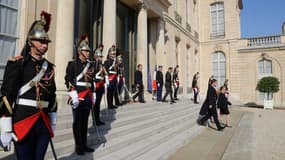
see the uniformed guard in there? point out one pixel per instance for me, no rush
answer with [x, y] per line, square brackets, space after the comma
[111, 67]
[101, 76]
[79, 81]
[29, 86]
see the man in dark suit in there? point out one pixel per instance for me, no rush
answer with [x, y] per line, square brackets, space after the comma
[168, 86]
[195, 87]
[209, 106]
[139, 84]
[159, 83]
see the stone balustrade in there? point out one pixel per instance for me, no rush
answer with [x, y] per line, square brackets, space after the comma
[263, 41]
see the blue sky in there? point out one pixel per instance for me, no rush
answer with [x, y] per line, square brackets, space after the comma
[262, 17]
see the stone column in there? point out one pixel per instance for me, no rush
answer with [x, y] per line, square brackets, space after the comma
[109, 24]
[142, 42]
[160, 43]
[64, 40]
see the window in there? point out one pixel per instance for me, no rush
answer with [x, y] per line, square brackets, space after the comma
[219, 67]
[264, 70]
[8, 30]
[217, 20]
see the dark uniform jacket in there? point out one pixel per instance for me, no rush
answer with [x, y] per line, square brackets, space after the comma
[74, 68]
[18, 72]
[211, 99]
[168, 80]
[159, 78]
[194, 82]
[111, 69]
[175, 78]
[138, 78]
[98, 70]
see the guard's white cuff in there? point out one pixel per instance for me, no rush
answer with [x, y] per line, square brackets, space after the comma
[107, 80]
[52, 117]
[6, 124]
[73, 94]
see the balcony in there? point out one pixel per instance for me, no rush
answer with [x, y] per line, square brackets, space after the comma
[263, 41]
[177, 17]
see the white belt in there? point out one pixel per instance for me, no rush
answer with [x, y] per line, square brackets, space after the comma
[112, 72]
[32, 103]
[83, 84]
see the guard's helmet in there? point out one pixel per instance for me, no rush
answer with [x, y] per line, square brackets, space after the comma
[98, 53]
[83, 44]
[39, 29]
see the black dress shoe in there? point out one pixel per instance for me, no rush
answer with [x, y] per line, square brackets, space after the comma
[143, 101]
[163, 100]
[79, 151]
[88, 149]
[221, 128]
[112, 107]
[173, 101]
[100, 123]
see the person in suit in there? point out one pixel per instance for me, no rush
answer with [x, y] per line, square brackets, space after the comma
[139, 84]
[209, 106]
[176, 81]
[79, 80]
[168, 86]
[223, 103]
[159, 83]
[28, 111]
[195, 87]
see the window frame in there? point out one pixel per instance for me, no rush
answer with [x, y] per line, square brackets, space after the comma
[220, 31]
[221, 60]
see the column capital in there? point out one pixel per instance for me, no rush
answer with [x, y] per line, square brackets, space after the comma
[142, 6]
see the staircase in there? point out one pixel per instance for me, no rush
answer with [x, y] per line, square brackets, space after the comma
[149, 131]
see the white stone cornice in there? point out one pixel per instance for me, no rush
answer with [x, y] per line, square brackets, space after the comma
[167, 18]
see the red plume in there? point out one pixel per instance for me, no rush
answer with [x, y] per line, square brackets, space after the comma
[47, 18]
[84, 37]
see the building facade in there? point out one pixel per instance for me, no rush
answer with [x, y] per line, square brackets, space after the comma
[198, 35]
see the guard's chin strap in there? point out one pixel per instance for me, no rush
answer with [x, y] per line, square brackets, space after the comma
[32, 45]
[86, 58]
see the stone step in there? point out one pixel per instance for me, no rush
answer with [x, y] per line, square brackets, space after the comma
[124, 126]
[115, 143]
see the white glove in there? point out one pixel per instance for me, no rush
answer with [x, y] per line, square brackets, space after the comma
[158, 85]
[52, 118]
[107, 80]
[94, 97]
[74, 97]
[6, 132]
[175, 85]
[6, 138]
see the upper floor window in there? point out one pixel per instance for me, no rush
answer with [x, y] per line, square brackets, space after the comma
[219, 67]
[8, 28]
[217, 20]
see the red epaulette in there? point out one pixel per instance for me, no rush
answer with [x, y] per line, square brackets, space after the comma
[16, 58]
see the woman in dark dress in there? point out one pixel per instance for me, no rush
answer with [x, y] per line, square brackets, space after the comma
[223, 105]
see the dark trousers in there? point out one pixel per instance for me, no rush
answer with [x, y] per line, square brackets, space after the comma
[159, 93]
[175, 92]
[139, 94]
[35, 143]
[80, 123]
[212, 112]
[96, 108]
[195, 95]
[168, 91]
[112, 92]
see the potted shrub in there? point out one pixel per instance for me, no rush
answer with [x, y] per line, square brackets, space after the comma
[268, 85]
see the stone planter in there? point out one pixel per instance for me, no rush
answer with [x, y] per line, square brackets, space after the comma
[268, 104]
